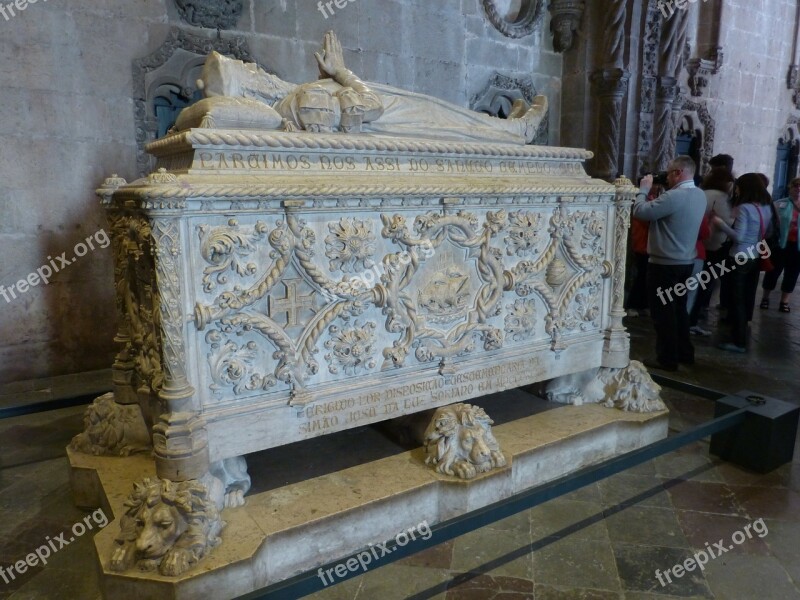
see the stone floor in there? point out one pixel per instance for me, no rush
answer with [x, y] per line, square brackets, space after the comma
[604, 541]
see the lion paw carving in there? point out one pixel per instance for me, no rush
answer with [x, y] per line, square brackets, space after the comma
[112, 429]
[459, 442]
[166, 526]
[631, 389]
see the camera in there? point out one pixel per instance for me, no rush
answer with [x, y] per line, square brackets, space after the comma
[660, 178]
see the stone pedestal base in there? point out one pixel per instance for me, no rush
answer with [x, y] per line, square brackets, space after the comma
[285, 531]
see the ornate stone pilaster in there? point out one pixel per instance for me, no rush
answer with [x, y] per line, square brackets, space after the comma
[123, 367]
[179, 437]
[664, 123]
[610, 86]
[616, 348]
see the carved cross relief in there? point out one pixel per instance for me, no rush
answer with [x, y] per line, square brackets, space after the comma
[292, 304]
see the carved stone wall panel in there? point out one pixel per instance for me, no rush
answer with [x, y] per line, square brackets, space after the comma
[276, 311]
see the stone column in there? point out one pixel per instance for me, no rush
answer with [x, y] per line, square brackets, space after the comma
[610, 86]
[673, 42]
[664, 123]
[616, 349]
[180, 440]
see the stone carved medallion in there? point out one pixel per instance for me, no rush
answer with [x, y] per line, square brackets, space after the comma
[521, 319]
[350, 245]
[213, 14]
[461, 288]
[352, 348]
[514, 18]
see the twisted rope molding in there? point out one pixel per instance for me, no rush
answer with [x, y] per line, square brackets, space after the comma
[208, 137]
[361, 189]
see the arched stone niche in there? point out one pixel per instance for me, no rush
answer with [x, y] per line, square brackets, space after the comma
[514, 18]
[165, 81]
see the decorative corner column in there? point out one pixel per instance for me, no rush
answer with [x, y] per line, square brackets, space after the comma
[122, 370]
[180, 440]
[610, 86]
[616, 346]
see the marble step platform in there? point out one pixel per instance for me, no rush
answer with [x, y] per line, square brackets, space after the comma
[287, 530]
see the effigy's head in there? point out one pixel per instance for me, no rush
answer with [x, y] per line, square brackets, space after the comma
[318, 110]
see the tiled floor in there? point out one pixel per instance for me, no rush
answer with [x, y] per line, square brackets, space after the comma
[604, 541]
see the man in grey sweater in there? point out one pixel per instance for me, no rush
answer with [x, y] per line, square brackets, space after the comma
[675, 219]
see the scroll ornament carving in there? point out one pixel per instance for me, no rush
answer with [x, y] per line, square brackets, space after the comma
[459, 442]
[234, 366]
[352, 348]
[350, 245]
[571, 290]
[224, 248]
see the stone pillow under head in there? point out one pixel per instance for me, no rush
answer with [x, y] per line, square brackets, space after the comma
[227, 112]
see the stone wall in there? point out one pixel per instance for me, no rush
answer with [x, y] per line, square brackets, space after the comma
[68, 123]
[749, 99]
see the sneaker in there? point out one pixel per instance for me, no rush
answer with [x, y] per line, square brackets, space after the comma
[728, 347]
[697, 330]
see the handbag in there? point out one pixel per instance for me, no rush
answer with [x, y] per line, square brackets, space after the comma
[764, 263]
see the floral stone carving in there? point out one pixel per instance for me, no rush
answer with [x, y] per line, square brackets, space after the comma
[459, 442]
[630, 389]
[352, 348]
[350, 245]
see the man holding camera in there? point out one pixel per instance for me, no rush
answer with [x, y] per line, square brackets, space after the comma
[675, 219]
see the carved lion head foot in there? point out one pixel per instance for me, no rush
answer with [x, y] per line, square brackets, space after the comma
[459, 442]
[166, 526]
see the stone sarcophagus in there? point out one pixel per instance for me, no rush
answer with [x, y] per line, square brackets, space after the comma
[312, 258]
[278, 287]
